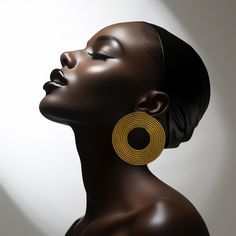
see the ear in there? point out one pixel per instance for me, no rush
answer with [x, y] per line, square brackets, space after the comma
[154, 103]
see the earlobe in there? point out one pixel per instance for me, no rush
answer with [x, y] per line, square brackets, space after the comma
[154, 103]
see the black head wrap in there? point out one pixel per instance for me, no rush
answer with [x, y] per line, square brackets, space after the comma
[186, 81]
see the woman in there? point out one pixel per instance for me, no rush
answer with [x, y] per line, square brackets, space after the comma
[140, 69]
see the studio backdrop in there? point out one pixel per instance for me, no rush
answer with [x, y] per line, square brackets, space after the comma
[42, 191]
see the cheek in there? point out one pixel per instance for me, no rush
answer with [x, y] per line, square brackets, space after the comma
[102, 86]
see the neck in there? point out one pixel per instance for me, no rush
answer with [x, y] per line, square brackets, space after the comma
[110, 183]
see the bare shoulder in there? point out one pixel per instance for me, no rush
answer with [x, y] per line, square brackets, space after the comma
[169, 217]
[70, 231]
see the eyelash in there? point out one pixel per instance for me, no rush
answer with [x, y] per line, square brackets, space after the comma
[99, 56]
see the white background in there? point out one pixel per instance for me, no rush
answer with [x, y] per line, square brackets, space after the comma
[41, 186]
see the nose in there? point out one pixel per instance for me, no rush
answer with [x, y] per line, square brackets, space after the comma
[68, 59]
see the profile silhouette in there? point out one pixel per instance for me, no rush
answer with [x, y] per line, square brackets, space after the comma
[129, 68]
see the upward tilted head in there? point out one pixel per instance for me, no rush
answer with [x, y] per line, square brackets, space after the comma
[126, 67]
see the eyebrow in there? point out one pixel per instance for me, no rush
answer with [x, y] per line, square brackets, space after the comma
[109, 37]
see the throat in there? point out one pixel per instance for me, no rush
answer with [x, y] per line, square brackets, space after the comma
[111, 184]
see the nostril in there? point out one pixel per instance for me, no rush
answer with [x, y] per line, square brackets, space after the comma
[67, 59]
[64, 62]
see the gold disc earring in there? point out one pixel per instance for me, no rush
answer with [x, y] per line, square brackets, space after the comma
[138, 156]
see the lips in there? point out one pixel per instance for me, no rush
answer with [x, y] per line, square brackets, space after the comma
[58, 77]
[58, 80]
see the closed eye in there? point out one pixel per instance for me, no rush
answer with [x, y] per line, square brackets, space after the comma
[99, 56]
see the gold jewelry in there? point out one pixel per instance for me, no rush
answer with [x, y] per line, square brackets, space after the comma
[138, 156]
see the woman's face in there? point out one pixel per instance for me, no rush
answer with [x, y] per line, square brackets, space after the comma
[105, 80]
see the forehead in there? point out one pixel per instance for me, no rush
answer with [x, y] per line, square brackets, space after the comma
[131, 35]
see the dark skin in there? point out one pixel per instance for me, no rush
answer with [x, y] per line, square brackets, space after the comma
[105, 81]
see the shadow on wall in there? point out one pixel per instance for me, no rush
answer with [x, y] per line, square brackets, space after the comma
[13, 219]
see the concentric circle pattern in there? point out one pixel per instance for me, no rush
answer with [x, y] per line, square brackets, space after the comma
[138, 156]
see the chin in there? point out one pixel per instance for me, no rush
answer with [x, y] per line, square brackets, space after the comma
[53, 111]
